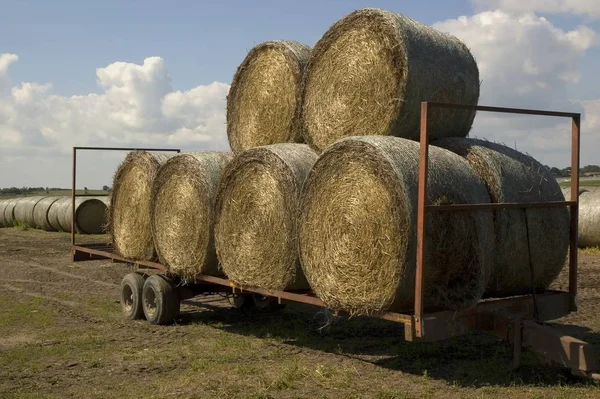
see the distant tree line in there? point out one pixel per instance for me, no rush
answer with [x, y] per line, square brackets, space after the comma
[566, 172]
[34, 190]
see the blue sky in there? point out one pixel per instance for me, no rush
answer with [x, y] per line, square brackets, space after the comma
[79, 72]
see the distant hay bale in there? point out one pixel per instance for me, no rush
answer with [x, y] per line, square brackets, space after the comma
[9, 212]
[589, 218]
[90, 215]
[256, 211]
[265, 95]
[511, 176]
[183, 197]
[23, 212]
[371, 70]
[40, 213]
[3, 205]
[130, 210]
[357, 234]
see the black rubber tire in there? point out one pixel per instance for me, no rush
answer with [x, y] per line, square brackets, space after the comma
[131, 296]
[241, 301]
[160, 300]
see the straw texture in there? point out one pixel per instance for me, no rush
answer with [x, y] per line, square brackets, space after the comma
[183, 198]
[539, 236]
[371, 70]
[357, 234]
[262, 105]
[257, 205]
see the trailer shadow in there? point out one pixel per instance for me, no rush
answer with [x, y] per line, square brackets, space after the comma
[471, 361]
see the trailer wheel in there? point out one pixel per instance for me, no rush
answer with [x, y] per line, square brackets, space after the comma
[262, 302]
[160, 300]
[241, 301]
[131, 296]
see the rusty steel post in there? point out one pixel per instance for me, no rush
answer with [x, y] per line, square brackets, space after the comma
[422, 198]
[574, 227]
[73, 196]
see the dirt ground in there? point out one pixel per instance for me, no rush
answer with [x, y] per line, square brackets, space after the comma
[62, 335]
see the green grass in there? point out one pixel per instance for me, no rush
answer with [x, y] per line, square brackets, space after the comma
[582, 183]
[590, 250]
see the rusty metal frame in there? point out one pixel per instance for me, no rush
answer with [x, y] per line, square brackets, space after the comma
[441, 324]
[423, 207]
[74, 173]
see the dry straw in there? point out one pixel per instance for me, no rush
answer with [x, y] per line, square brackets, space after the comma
[539, 236]
[371, 70]
[357, 234]
[9, 212]
[3, 205]
[40, 213]
[257, 204]
[90, 215]
[183, 199]
[589, 218]
[23, 213]
[265, 94]
[129, 213]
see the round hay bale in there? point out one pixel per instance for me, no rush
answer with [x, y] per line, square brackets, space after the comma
[257, 205]
[183, 199]
[589, 219]
[90, 215]
[40, 213]
[357, 234]
[3, 205]
[371, 70]
[539, 236]
[265, 95]
[130, 210]
[23, 211]
[9, 212]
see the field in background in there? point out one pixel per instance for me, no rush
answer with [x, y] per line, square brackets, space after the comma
[582, 183]
[58, 193]
[62, 335]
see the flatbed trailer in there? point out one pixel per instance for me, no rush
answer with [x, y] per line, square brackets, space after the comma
[520, 320]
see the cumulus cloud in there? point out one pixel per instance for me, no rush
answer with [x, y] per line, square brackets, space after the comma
[526, 62]
[590, 8]
[137, 107]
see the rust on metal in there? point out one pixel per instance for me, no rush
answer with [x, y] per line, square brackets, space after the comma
[504, 110]
[501, 205]
[422, 197]
[574, 225]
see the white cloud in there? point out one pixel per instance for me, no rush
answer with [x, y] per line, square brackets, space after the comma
[527, 62]
[137, 107]
[590, 8]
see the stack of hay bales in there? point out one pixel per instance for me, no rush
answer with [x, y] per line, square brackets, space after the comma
[23, 212]
[53, 213]
[90, 215]
[183, 196]
[130, 205]
[526, 238]
[357, 232]
[256, 212]
[265, 96]
[344, 221]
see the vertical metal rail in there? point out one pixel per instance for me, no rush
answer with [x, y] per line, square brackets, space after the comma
[74, 182]
[574, 214]
[422, 197]
[74, 175]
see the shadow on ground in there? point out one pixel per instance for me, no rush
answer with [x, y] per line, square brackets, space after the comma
[475, 360]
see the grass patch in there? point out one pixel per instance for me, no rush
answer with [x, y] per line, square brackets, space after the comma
[582, 183]
[590, 251]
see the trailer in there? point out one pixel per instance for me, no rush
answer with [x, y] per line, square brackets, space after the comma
[519, 320]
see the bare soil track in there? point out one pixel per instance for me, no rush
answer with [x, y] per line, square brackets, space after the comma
[62, 335]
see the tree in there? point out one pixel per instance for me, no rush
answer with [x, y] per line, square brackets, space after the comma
[105, 188]
[85, 190]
